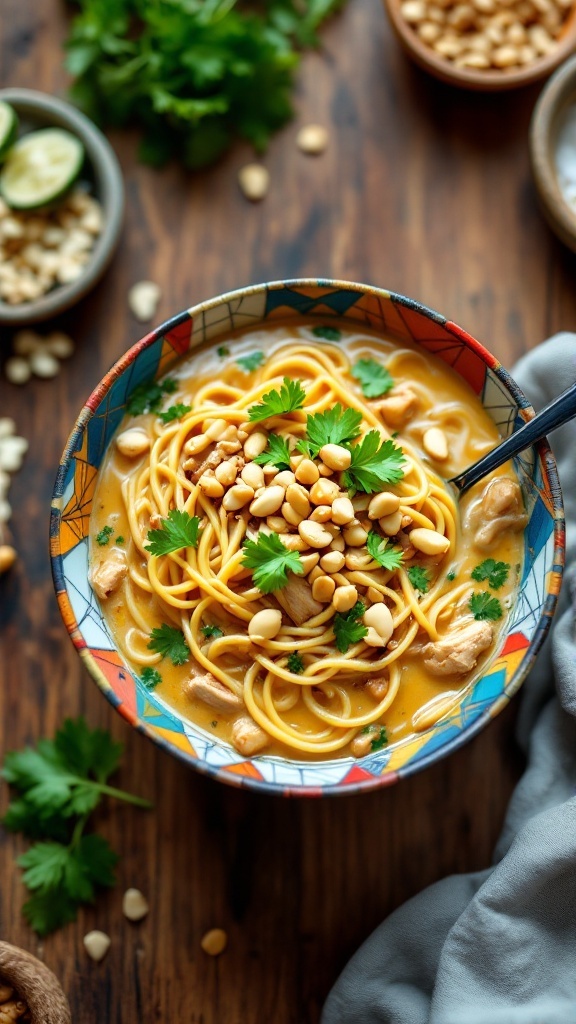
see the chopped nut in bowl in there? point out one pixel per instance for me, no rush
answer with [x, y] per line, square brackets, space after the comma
[61, 205]
[486, 45]
[29, 992]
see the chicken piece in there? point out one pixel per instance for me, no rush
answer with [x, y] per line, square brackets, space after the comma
[458, 652]
[500, 509]
[297, 601]
[107, 576]
[248, 737]
[213, 693]
[210, 458]
[377, 687]
[399, 406]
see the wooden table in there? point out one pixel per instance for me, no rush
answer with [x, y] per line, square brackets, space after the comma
[425, 190]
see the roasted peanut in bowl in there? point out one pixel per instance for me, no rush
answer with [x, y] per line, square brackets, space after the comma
[269, 575]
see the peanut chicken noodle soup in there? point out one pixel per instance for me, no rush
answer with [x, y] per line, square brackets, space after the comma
[276, 551]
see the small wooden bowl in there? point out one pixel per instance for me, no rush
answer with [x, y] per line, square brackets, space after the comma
[469, 78]
[35, 984]
[556, 97]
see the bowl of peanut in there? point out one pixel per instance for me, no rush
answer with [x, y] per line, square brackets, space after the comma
[486, 45]
[61, 206]
[29, 992]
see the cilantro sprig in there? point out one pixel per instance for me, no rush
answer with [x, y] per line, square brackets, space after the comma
[374, 463]
[388, 557]
[57, 785]
[379, 736]
[419, 578]
[179, 530]
[289, 398]
[333, 426]
[277, 453]
[495, 573]
[295, 663]
[212, 632]
[347, 628]
[174, 412]
[375, 380]
[169, 641]
[251, 362]
[270, 562]
[148, 396]
[150, 677]
[327, 332]
[483, 606]
[103, 537]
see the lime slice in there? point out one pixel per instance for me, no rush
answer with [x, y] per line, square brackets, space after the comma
[8, 128]
[40, 168]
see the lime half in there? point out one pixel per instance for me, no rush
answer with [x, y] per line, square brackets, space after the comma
[8, 128]
[40, 168]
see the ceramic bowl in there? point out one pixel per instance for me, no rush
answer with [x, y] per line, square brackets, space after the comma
[493, 80]
[35, 984]
[40, 110]
[393, 316]
[548, 119]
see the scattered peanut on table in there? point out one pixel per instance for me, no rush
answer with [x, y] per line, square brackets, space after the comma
[37, 354]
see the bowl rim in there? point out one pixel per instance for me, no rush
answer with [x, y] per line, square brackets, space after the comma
[110, 189]
[552, 102]
[550, 476]
[477, 80]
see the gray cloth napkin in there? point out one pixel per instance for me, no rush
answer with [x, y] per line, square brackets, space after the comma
[499, 946]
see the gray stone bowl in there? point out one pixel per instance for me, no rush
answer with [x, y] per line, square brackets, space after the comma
[40, 110]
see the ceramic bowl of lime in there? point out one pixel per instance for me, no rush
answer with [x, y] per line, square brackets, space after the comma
[174, 365]
[61, 206]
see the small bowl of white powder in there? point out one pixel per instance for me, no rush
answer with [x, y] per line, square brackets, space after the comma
[553, 151]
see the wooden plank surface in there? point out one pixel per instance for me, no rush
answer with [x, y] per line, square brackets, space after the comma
[424, 190]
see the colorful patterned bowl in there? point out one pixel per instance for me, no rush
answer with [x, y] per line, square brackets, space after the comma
[393, 315]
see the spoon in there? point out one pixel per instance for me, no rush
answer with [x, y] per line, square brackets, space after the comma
[552, 416]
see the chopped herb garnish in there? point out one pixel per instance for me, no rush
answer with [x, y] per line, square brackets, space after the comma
[103, 537]
[374, 463]
[212, 632]
[251, 362]
[379, 733]
[295, 663]
[150, 677]
[329, 333]
[451, 576]
[496, 573]
[119, 540]
[170, 643]
[223, 351]
[178, 530]
[214, 724]
[483, 606]
[419, 578]
[276, 454]
[347, 629]
[290, 397]
[174, 412]
[148, 396]
[375, 380]
[387, 557]
[270, 561]
[334, 426]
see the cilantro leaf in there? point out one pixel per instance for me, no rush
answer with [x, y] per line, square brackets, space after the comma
[223, 351]
[147, 396]
[295, 663]
[483, 606]
[290, 397]
[375, 380]
[212, 632]
[103, 537]
[387, 557]
[347, 629]
[119, 540]
[47, 911]
[380, 739]
[277, 453]
[334, 426]
[178, 530]
[170, 643]
[150, 677]
[270, 561]
[86, 751]
[174, 412]
[496, 573]
[451, 576]
[419, 578]
[374, 463]
[251, 362]
[329, 333]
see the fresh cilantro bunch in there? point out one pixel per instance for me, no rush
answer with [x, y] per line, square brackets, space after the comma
[191, 74]
[58, 784]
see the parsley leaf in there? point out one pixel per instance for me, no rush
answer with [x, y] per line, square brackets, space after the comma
[496, 573]
[178, 530]
[375, 380]
[150, 677]
[329, 333]
[147, 396]
[290, 397]
[212, 632]
[174, 412]
[295, 663]
[334, 426]
[223, 351]
[251, 362]
[270, 561]
[103, 537]
[374, 464]
[277, 453]
[388, 558]
[483, 606]
[419, 578]
[170, 643]
[347, 629]
[379, 733]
